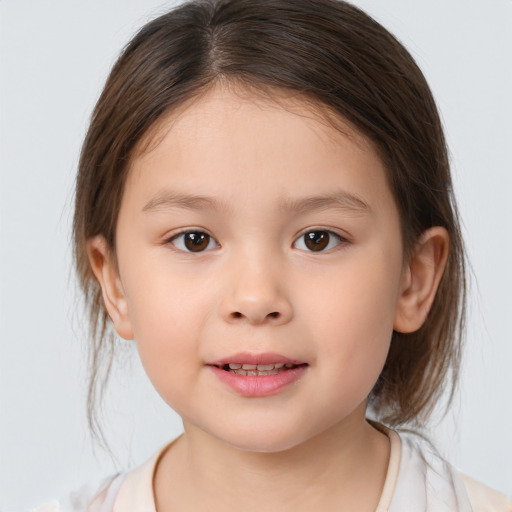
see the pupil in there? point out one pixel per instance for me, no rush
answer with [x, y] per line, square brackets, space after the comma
[196, 242]
[317, 240]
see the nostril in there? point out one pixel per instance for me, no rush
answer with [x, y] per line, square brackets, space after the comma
[274, 314]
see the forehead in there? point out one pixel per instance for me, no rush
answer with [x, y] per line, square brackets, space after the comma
[229, 97]
[234, 141]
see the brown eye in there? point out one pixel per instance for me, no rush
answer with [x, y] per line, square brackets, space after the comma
[192, 241]
[316, 240]
[196, 242]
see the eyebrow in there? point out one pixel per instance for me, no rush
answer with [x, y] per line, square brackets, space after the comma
[167, 200]
[339, 199]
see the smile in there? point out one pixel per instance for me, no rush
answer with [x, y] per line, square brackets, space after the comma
[258, 375]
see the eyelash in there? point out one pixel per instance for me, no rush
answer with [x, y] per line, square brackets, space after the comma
[331, 234]
[186, 232]
[341, 240]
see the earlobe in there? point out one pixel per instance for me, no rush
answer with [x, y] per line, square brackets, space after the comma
[107, 275]
[420, 280]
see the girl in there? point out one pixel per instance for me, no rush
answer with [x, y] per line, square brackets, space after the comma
[264, 205]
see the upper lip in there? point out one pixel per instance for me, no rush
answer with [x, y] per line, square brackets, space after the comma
[252, 358]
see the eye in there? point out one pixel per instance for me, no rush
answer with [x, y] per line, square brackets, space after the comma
[318, 240]
[193, 241]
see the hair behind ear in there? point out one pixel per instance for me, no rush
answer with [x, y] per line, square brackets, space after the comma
[420, 361]
[422, 275]
[105, 270]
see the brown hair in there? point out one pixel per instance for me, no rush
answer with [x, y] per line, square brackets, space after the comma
[338, 58]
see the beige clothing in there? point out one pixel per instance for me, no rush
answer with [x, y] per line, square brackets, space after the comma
[417, 480]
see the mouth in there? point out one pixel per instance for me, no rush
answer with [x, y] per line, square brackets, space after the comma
[258, 370]
[258, 375]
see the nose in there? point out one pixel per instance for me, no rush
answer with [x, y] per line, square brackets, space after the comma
[256, 293]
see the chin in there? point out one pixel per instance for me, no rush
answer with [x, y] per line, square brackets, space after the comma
[268, 439]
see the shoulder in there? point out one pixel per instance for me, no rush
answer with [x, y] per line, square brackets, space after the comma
[130, 491]
[97, 497]
[485, 499]
[441, 483]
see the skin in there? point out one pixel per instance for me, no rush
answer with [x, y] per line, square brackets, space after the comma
[259, 288]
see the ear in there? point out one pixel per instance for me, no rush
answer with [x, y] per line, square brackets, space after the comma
[420, 279]
[105, 269]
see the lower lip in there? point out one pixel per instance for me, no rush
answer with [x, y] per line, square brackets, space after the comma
[258, 386]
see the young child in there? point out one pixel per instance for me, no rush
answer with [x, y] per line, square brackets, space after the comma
[264, 205]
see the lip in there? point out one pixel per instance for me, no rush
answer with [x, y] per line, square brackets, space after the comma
[253, 385]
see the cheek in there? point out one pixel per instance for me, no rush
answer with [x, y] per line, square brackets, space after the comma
[354, 347]
[162, 298]
[353, 316]
[168, 312]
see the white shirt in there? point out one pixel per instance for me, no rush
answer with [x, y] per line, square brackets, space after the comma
[417, 480]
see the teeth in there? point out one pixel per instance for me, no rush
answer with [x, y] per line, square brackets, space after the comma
[259, 367]
[255, 373]
[255, 370]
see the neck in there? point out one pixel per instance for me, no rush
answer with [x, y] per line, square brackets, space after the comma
[345, 465]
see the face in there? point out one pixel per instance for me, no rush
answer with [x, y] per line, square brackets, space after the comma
[254, 234]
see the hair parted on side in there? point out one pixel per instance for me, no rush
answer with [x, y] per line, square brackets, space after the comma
[334, 56]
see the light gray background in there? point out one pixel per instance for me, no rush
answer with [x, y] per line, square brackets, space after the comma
[54, 58]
